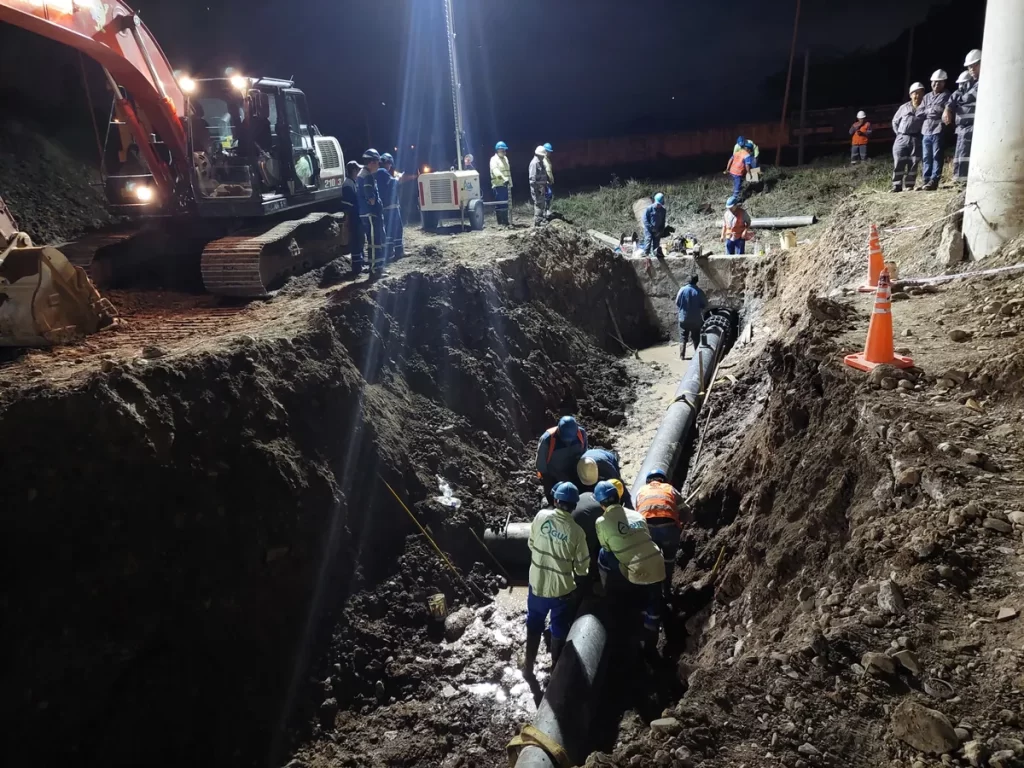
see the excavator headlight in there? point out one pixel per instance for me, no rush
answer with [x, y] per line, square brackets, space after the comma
[144, 194]
[187, 84]
[426, 169]
[240, 83]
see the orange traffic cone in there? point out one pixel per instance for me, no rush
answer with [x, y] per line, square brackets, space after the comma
[878, 349]
[876, 262]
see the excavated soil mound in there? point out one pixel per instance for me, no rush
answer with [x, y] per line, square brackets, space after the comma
[188, 537]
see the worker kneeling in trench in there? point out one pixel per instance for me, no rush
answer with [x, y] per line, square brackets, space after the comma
[632, 566]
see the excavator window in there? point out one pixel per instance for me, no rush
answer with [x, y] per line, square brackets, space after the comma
[303, 153]
[219, 149]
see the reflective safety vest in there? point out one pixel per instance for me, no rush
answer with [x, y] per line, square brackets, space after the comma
[552, 441]
[658, 500]
[738, 166]
[860, 135]
[501, 173]
[735, 227]
[558, 553]
[624, 533]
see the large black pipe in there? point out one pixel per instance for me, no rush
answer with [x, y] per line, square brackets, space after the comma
[567, 710]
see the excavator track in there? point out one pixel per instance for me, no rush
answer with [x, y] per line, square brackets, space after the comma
[252, 265]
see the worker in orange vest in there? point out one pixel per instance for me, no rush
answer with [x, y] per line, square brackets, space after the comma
[558, 452]
[861, 132]
[736, 228]
[737, 167]
[662, 506]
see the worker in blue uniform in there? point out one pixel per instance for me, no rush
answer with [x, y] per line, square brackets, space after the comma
[691, 303]
[392, 211]
[383, 178]
[597, 464]
[558, 452]
[350, 205]
[654, 226]
[371, 212]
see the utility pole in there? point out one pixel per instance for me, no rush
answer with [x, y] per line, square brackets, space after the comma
[908, 77]
[789, 81]
[803, 107]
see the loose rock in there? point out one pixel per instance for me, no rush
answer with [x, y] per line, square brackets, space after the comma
[877, 664]
[666, 725]
[994, 524]
[926, 730]
[457, 623]
[1006, 613]
[959, 335]
[909, 662]
[890, 598]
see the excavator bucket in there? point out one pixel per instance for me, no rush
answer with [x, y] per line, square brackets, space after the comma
[45, 300]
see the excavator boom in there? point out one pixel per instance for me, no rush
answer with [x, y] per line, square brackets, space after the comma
[111, 33]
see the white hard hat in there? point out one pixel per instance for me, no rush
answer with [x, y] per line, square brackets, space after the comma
[540, 152]
[973, 57]
[861, 115]
[939, 74]
[964, 77]
[586, 468]
[917, 87]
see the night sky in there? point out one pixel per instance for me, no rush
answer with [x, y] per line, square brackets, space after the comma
[546, 70]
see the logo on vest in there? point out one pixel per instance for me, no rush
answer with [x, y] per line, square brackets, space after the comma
[626, 528]
[549, 529]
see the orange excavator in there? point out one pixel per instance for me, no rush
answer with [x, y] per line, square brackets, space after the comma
[231, 170]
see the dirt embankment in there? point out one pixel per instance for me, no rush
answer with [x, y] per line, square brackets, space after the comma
[186, 535]
[866, 610]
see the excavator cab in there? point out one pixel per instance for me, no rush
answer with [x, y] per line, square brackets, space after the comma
[254, 150]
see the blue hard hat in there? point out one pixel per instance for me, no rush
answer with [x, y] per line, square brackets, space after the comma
[659, 199]
[387, 158]
[500, 145]
[605, 491]
[566, 492]
[741, 141]
[656, 473]
[567, 428]
[549, 148]
[371, 154]
[733, 200]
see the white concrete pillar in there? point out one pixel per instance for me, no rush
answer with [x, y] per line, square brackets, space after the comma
[996, 177]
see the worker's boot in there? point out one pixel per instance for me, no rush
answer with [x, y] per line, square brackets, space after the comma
[532, 646]
[556, 650]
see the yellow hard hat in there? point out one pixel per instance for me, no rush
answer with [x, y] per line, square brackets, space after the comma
[618, 487]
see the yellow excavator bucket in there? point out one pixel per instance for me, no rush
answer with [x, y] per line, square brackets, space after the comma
[44, 299]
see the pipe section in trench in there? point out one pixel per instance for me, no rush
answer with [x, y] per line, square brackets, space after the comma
[571, 700]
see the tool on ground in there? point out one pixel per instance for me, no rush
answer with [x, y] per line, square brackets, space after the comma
[430, 538]
[876, 262]
[504, 572]
[618, 338]
[878, 350]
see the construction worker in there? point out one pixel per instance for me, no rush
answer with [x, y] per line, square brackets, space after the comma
[467, 163]
[931, 143]
[740, 162]
[963, 82]
[655, 218]
[736, 227]
[962, 106]
[558, 452]
[539, 186]
[906, 152]
[350, 204]
[861, 133]
[371, 212]
[393, 226]
[501, 181]
[754, 150]
[661, 505]
[558, 556]
[629, 560]
[597, 464]
[691, 303]
[549, 195]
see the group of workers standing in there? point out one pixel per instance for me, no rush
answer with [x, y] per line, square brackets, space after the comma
[918, 127]
[541, 176]
[370, 198]
[595, 538]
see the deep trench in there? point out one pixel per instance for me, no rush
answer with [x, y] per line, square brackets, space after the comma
[183, 559]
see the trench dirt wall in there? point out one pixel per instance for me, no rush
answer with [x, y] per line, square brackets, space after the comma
[183, 535]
